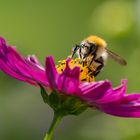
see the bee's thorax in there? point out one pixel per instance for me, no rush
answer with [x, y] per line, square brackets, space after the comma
[97, 40]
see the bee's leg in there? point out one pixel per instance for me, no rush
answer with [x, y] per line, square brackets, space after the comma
[75, 50]
[93, 53]
[80, 53]
[100, 61]
[93, 58]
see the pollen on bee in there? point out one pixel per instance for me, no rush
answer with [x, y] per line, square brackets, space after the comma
[86, 71]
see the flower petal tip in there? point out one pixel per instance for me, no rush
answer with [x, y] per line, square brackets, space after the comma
[124, 81]
[2, 40]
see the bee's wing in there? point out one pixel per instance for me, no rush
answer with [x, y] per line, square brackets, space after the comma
[116, 57]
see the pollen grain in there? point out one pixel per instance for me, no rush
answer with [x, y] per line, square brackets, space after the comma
[86, 71]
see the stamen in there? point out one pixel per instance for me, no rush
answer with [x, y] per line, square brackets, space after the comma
[86, 71]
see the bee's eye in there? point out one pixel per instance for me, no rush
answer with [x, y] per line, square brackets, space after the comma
[84, 44]
[93, 45]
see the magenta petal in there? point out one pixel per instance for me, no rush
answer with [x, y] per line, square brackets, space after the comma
[113, 94]
[101, 92]
[19, 67]
[51, 72]
[94, 91]
[33, 59]
[128, 106]
[68, 81]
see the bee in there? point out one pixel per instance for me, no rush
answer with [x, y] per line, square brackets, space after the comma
[93, 50]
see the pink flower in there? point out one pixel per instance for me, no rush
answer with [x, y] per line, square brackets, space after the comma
[24, 69]
[100, 95]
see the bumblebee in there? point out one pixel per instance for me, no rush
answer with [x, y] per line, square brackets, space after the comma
[93, 50]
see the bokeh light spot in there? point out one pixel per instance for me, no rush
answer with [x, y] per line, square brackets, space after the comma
[112, 17]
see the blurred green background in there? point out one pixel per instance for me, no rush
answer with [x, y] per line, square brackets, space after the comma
[47, 27]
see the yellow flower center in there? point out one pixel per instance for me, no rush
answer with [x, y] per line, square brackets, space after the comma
[86, 71]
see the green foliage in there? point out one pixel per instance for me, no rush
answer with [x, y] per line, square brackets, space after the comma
[63, 104]
[44, 94]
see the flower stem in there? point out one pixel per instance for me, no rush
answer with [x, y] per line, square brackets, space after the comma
[56, 119]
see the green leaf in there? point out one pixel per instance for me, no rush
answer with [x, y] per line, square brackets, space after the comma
[44, 94]
[79, 110]
[62, 104]
[73, 106]
[54, 100]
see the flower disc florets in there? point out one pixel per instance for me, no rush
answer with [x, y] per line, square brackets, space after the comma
[86, 71]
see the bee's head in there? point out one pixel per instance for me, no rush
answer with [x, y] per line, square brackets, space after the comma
[93, 40]
[88, 46]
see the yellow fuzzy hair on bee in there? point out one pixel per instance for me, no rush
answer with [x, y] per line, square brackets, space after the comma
[95, 39]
